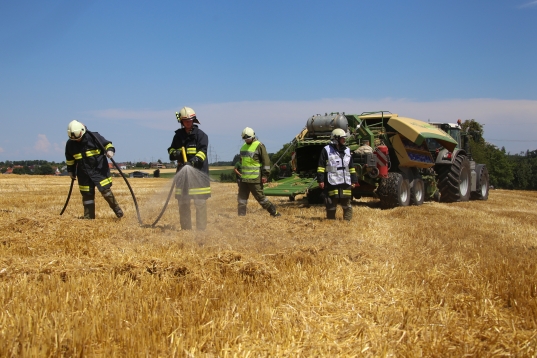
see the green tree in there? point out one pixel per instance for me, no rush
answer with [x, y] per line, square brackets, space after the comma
[283, 155]
[45, 169]
[236, 159]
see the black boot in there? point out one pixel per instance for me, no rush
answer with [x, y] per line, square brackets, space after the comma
[88, 201]
[272, 210]
[201, 214]
[185, 217]
[347, 213]
[89, 211]
[331, 214]
[241, 210]
[112, 202]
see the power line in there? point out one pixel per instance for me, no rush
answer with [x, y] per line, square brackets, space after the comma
[513, 140]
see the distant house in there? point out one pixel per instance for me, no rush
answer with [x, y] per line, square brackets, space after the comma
[138, 174]
[121, 166]
[9, 170]
[157, 165]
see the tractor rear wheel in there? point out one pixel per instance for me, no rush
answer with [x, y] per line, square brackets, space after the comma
[417, 192]
[482, 183]
[454, 180]
[394, 191]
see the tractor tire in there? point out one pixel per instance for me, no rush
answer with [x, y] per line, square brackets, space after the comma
[394, 191]
[482, 183]
[454, 180]
[417, 192]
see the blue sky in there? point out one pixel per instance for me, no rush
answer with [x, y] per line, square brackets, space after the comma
[124, 67]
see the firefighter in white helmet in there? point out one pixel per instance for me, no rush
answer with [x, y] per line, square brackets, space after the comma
[336, 175]
[195, 142]
[87, 161]
[255, 171]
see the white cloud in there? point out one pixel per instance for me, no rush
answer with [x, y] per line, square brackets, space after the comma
[509, 122]
[1, 150]
[529, 4]
[43, 145]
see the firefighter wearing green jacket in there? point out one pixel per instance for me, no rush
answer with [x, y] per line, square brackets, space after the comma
[86, 161]
[255, 171]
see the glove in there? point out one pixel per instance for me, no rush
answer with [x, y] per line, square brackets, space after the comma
[264, 180]
[175, 154]
[72, 175]
[109, 154]
[196, 162]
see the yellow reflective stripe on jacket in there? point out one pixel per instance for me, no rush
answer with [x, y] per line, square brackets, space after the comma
[320, 170]
[352, 170]
[77, 156]
[344, 192]
[84, 188]
[201, 155]
[70, 162]
[250, 166]
[106, 181]
[109, 145]
[91, 153]
[194, 191]
[191, 150]
[199, 191]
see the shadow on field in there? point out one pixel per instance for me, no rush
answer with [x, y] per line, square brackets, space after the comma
[304, 204]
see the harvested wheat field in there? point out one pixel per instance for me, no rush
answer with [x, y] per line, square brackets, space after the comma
[436, 280]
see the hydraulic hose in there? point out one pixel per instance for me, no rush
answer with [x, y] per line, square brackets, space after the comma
[68, 196]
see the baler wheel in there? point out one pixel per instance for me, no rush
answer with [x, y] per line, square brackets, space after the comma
[417, 192]
[394, 191]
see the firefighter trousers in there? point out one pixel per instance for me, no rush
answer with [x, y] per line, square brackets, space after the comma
[185, 216]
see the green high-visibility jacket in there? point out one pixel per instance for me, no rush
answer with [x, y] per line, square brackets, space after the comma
[255, 162]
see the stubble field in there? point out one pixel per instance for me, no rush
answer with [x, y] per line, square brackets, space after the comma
[436, 280]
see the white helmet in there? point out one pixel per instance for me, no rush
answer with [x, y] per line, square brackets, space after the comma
[338, 133]
[247, 133]
[186, 113]
[76, 130]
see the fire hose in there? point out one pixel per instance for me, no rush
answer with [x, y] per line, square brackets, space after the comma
[121, 173]
[68, 196]
[183, 151]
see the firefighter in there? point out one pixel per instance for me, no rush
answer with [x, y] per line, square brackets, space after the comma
[255, 170]
[336, 175]
[195, 142]
[87, 162]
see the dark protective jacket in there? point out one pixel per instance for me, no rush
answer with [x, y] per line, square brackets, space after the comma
[195, 143]
[89, 162]
[332, 160]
